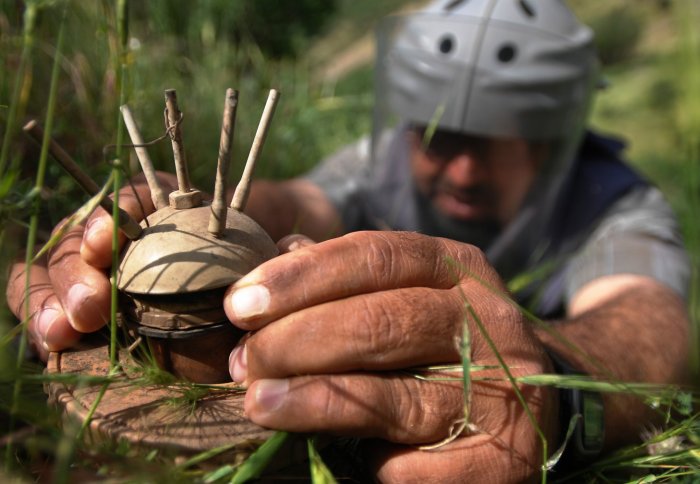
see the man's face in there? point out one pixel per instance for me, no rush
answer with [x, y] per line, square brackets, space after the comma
[471, 178]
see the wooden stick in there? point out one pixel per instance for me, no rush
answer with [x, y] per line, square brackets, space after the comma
[157, 194]
[127, 224]
[240, 197]
[217, 219]
[173, 118]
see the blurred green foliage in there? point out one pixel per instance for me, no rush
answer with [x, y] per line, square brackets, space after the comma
[198, 48]
[278, 28]
[617, 33]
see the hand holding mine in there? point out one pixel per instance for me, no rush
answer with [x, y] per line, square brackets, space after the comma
[340, 327]
[185, 248]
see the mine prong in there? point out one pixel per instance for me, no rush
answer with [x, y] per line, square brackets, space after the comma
[184, 197]
[219, 207]
[157, 193]
[127, 224]
[240, 197]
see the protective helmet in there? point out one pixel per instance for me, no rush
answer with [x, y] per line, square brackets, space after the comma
[492, 67]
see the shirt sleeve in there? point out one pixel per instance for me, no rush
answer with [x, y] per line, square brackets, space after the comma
[639, 235]
[343, 172]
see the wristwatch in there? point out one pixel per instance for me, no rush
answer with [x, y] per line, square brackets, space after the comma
[586, 442]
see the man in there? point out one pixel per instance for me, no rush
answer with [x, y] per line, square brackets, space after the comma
[490, 98]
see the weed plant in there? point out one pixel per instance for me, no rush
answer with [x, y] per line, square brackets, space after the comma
[73, 63]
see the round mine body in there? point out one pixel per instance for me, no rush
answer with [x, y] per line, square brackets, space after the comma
[173, 279]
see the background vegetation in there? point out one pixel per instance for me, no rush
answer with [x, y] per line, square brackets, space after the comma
[318, 54]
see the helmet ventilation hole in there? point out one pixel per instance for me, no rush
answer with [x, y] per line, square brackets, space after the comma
[506, 53]
[453, 4]
[446, 44]
[527, 8]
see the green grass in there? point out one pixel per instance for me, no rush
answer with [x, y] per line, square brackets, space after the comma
[653, 101]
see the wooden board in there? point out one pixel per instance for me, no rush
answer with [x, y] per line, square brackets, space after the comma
[152, 416]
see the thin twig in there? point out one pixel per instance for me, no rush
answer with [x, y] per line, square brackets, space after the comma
[217, 219]
[157, 194]
[172, 118]
[240, 197]
[128, 225]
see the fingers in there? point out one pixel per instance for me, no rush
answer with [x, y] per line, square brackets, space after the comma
[402, 408]
[96, 249]
[502, 444]
[378, 331]
[358, 263]
[70, 295]
[395, 408]
[290, 243]
[83, 291]
[477, 458]
[48, 325]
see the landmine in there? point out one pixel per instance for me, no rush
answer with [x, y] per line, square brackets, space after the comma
[172, 277]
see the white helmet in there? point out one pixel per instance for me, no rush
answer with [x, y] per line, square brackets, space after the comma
[492, 67]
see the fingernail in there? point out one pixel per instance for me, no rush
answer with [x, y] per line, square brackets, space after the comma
[78, 297]
[238, 364]
[270, 394]
[43, 322]
[93, 227]
[46, 319]
[250, 301]
[299, 244]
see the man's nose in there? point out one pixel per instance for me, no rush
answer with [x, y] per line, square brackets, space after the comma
[465, 169]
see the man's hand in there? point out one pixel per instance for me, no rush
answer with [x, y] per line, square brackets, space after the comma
[69, 291]
[336, 328]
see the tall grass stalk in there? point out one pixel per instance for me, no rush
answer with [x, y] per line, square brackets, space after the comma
[122, 51]
[34, 220]
[573, 348]
[258, 461]
[29, 22]
[466, 355]
[513, 381]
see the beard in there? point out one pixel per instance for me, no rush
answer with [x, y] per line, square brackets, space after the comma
[480, 233]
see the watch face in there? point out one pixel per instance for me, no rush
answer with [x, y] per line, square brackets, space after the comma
[592, 426]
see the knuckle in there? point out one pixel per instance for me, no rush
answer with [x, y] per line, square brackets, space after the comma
[426, 410]
[331, 401]
[373, 332]
[410, 416]
[469, 258]
[381, 259]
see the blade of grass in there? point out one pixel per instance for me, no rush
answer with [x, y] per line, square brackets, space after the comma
[466, 354]
[513, 381]
[556, 456]
[29, 22]
[320, 474]
[123, 33]
[560, 338]
[260, 459]
[219, 474]
[74, 432]
[34, 217]
[205, 456]
[471, 312]
[76, 218]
